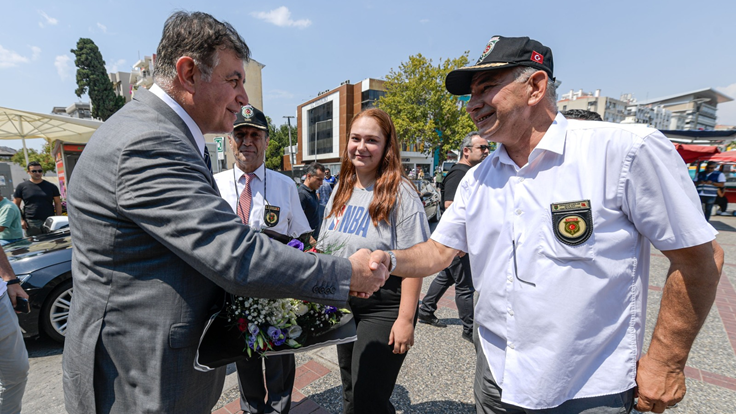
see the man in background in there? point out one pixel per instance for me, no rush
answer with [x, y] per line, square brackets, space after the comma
[308, 196]
[10, 225]
[40, 199]
[264, 200]
[708, 183]
[474, 150]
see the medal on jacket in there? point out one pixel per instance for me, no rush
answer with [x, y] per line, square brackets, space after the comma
[572, 222]
[271, 215]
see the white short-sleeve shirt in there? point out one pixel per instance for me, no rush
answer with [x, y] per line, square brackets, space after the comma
[562, 316]
[275, 188]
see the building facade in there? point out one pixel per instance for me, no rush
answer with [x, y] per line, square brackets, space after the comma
[322, 127]
[691, 111]
[610, 109]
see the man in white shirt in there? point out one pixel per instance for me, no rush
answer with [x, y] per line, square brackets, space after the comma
[264, 200]
[557, 223]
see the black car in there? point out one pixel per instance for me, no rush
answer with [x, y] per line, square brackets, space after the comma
[43, 264]
[430, 198]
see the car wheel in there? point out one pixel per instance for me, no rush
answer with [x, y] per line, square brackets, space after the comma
[55, 312]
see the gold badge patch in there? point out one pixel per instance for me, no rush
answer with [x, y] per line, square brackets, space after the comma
[271, 215]
[572, 222]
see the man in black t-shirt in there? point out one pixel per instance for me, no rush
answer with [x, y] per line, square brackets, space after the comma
[308, 196]
[475, 149]
[40, 199]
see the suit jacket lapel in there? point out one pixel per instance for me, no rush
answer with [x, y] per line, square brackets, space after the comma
[149, 99]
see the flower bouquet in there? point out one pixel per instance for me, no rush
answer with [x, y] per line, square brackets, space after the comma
[255, 327]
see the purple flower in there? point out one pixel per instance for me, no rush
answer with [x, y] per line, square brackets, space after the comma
[253, 329]
[276, 335]
[329, 310]
[296, 244]
[251, 342]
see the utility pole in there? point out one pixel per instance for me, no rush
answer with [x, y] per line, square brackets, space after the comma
[291, 148]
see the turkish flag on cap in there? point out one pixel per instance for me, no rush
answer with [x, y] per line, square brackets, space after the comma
[537, 57]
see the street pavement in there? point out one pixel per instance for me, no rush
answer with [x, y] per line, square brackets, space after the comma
[437, 376]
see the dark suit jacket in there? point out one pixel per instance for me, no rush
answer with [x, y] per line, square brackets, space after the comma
[154, 247]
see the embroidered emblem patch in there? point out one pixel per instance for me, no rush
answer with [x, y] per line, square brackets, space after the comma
[488, 49]
[247, 112]
[537, 57]
[572, 222]
[271, 215]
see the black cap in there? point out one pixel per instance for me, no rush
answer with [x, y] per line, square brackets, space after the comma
[252, 117]
[502, 52]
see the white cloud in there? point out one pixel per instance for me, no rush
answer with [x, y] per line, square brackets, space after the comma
[49, 20]
[424, 21]
[102, 27]
[63, 66]
[116, 66]
[727, 111]
[10, 59]
[281, 17]
[279, 94]
[36, 52]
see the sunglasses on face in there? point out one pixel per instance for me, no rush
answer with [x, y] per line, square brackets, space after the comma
[483, 147]
[36, 171]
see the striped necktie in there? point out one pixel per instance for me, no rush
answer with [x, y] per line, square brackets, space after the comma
[245, 199]
[207, 159]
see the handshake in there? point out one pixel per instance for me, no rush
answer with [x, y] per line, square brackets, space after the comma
[370, 271]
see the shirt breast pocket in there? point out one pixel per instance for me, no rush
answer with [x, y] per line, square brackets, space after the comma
[553, 248]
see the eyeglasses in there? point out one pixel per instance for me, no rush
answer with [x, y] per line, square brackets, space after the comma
[484, 147]
[36, 171]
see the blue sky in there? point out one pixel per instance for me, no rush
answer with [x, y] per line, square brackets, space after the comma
[648, 48]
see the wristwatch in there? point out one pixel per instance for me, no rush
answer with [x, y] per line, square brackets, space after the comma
[16, 280]
[393, 261]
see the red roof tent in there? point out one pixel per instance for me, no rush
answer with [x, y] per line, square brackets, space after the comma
[728, 156]
[691, 153]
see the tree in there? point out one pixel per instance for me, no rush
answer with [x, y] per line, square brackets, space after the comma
[44, 157]
[424, 113]
[92, 78]
[279, 140]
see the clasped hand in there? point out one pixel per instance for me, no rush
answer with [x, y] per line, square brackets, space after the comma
[368, 273]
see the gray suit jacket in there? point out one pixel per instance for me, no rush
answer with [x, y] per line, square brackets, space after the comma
[154, 247]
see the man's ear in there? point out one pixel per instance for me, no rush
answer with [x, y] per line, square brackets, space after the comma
[186, 72]
[538, 85]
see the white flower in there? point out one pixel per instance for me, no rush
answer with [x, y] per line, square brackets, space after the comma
[301, 309]
[295, 331]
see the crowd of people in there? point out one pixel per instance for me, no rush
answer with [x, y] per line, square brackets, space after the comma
[556, 225]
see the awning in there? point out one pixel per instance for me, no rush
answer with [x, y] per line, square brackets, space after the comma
[692, 153]
[18, 124]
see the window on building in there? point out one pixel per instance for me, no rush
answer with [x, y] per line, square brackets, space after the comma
[319, 139]
[368, 98]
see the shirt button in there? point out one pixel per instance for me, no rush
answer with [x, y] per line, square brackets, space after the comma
[511, 313]
[520, 179]
[509, 278]
[511, 346]
[517, 211]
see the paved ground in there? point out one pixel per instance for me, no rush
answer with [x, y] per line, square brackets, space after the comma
[437, 373]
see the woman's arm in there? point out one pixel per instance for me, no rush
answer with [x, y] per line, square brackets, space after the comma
[402, 333]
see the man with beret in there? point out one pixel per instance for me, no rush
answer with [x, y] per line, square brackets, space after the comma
[557, 223]
[264, 200]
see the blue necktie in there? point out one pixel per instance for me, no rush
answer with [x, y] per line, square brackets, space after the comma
[207, 159]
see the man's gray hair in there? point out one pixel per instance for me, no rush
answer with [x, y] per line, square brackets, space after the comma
[199, 36]
[523, 73]
[468, 140]
[314, 167]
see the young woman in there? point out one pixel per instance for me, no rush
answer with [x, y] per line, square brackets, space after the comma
[374, 206]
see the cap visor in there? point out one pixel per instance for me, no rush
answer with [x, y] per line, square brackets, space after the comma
[458, 81]
[250, 125]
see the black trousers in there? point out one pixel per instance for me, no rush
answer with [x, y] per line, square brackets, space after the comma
[368, 366]
[280, 372]
[459, 274]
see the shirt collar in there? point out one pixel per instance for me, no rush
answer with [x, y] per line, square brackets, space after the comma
[259, 172]
[553, 140]
[193, 127]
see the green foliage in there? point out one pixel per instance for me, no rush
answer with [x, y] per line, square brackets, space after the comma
[92, 78]
[279, 140]
[44, 157]
[424, 113]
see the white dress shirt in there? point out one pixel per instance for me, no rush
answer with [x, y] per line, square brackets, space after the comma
[193, 127]
[279, 191]
[560, 321]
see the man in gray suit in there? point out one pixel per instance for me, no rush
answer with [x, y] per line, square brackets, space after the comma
[155, 244]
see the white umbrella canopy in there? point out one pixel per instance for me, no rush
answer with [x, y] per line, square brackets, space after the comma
[18, 124]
